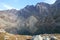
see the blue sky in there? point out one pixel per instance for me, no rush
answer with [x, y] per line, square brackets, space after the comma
[19, 4]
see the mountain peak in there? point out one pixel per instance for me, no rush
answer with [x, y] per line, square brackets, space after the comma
[57, 1]
[41, 3]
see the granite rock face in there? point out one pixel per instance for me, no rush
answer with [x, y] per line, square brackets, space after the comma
[32, 20]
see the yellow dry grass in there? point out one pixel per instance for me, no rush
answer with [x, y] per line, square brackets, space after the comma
[14, 37]
[22, 37]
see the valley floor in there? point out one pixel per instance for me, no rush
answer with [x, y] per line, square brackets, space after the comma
[7, 36]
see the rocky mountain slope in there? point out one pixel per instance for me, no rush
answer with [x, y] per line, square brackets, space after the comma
[31, 20]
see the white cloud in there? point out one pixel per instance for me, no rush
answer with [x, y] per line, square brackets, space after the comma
[6, 6]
